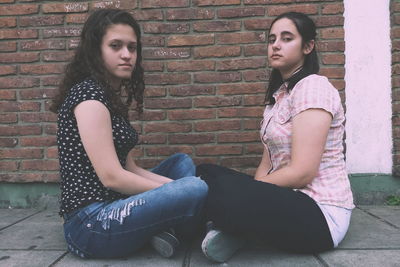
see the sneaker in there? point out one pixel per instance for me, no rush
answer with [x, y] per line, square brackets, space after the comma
[219, 246]
[165, 244]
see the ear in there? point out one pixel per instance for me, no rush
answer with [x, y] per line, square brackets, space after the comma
[308, 47]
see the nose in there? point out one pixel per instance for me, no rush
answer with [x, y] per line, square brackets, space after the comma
[125, 53]
[276, 45]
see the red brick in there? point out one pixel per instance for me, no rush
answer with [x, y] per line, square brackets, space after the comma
[76, 18]
[163, 3]
[216, 51]
[167, 78]
[149, 14]
[153, 66]
[164, 103]
[158, 27]
[57, 56]
[191, 65]
[64, 7]
[254, 149]
[241, 88]
[42, 69]
[215, 101]
[20, 130]
[43, 45]
[21, 57]
[8, 46]
[253, 100]
[257, 24]
[8, 106]
[192, 138]
[219, 150]
[61, 32]
[215, 2]
[39, 165]
[29, 177]
[18, 34]
[330, 46]
[212, 126]
[238, 138]
[167, 127]
[8, 22]
[255, 75]
[240, 38]
[72, 43]
[152, 115]
[52, 152]
[191, 90]
[190, 40]
[7, 70]
[332, 33]
[18, 82]
[166, 53]
[21, 153]
[8, 166]
[168, 150]
[38, 117]
[237, 64]
[8, 142]
[333, 9]
[332, 72]
[154, 139]
[304, 8]
[217, 77]
[51, 80]
[8, 118]
[155, 91]
[395, 32]
[7, 95]
[189, 14]
[329, 21]
[340, 85]
[241, 112]
[121, 4]
[32, 94]
[38, 141]
[255, 50]
[14, 10]
[328, 59]
[191, 114]
[216, 26]
[37, 21]
[155, 41]
[240, 12]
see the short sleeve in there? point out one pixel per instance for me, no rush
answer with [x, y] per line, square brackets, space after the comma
[86, 90]
[314, 91]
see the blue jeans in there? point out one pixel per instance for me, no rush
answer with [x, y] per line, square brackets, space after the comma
[118, 228]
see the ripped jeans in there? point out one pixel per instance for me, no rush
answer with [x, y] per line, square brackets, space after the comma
[118, 228]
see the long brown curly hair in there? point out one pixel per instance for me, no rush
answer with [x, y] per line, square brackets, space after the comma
[88, 62]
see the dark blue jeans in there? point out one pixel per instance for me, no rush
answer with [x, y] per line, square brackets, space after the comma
[118, 228]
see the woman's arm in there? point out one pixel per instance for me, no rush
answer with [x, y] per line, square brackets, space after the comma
[264, 166]
[132, 167]
[94, 125]
[309, 133]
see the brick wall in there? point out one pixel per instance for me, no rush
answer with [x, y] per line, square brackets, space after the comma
[206, 74]
[395, 36]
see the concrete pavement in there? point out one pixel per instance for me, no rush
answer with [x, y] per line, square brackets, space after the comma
[33, 237]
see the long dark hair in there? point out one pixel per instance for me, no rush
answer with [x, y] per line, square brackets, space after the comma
[306, 27]
[88, 62]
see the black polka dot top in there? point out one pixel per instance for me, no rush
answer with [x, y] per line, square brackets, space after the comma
[80, 185]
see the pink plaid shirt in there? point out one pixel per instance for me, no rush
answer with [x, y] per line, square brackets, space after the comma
[331, 185]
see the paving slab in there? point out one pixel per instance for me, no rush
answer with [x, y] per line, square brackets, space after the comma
[346, 258]
[31, 258]
[40, 231]
[390, 214]
[367, 231]
[11, 216]
[143, 258]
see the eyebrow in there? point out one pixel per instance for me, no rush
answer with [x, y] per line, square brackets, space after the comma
[282, 33]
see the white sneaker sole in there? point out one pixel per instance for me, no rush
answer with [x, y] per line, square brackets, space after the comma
[219, 246]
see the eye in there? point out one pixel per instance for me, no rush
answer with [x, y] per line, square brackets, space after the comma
[132, 48]
[271, 40]
[286, 39]
[115, 45]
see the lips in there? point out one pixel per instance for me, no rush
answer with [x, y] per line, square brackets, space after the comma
[276, 56]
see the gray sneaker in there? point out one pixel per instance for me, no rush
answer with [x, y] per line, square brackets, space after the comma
[165, 244]
[219, 246]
